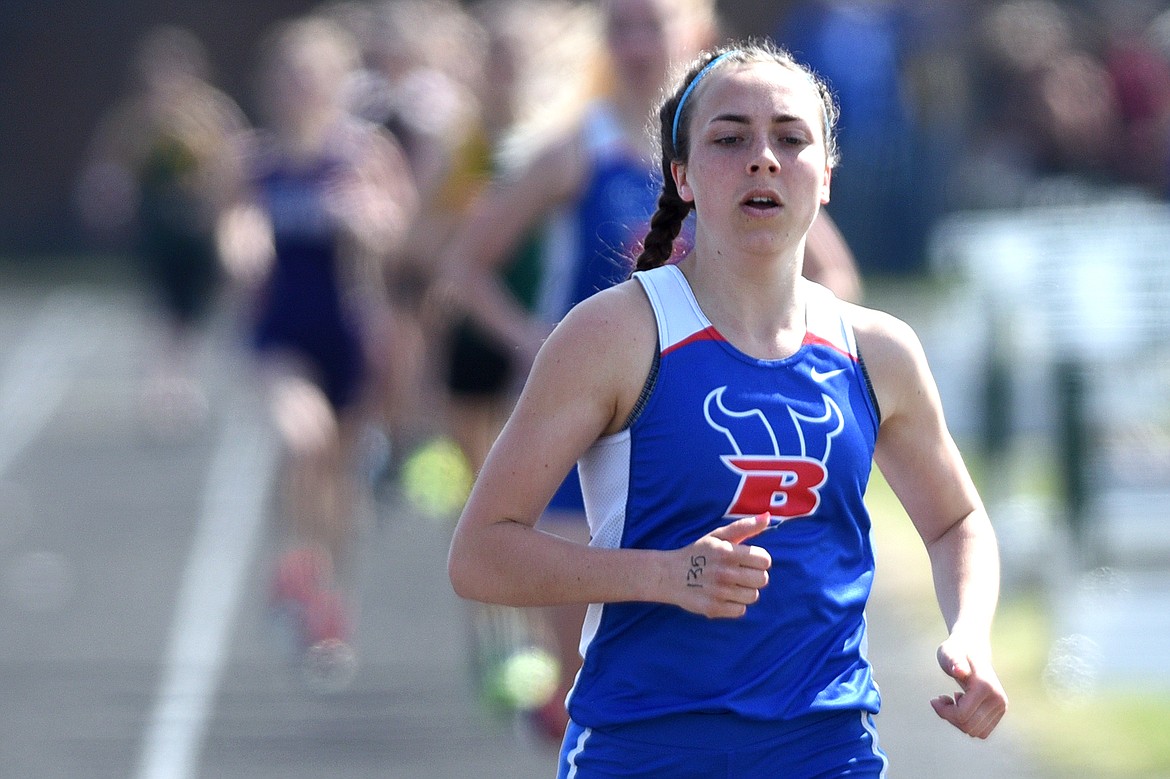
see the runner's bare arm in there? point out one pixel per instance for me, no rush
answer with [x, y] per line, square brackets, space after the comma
[922, 463]
[583, 385]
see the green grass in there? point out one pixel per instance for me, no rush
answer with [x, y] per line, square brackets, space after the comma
[1110, 734]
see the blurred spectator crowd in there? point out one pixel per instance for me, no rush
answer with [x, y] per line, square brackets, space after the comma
[957, 105]
[946, 106]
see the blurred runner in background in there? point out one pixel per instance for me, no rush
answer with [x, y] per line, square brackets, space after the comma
[162, 168]
[333, 196]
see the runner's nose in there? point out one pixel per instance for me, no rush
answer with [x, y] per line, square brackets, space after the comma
[765, 159]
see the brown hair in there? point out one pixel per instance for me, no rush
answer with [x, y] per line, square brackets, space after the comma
[672, 210]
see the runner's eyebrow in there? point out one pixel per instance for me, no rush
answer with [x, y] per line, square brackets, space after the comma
[744, 119]
[734, 118]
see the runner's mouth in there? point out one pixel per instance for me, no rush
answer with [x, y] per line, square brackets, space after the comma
[761, 202]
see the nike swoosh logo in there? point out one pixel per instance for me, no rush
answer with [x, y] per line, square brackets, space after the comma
[819, 377]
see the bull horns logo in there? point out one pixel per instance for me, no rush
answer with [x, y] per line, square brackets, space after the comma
[787, 486]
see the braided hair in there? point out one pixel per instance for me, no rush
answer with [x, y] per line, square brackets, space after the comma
[674, 137]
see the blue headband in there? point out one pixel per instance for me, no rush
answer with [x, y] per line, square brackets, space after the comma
[687, 93]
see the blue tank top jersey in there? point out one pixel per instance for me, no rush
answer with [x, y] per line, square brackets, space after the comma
[723, 435]
[302, 309]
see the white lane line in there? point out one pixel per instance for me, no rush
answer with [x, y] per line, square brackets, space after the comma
[225, 546]
[38, 371]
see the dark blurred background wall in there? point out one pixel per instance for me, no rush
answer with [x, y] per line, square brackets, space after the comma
[62, 63]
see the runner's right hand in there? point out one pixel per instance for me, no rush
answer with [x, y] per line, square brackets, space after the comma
[720, 575]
